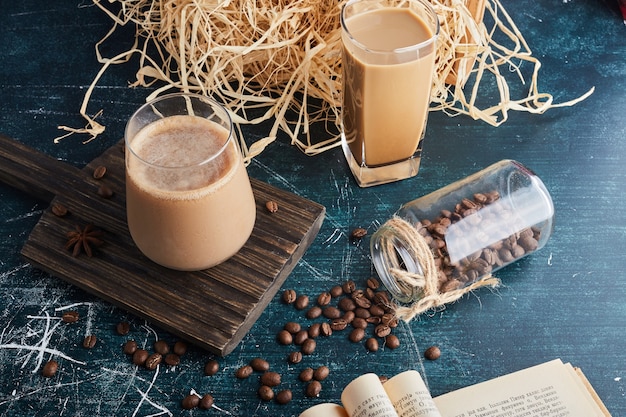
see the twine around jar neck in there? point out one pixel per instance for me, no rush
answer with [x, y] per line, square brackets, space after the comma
[424, 282]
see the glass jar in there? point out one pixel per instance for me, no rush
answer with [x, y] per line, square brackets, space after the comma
[463, 232]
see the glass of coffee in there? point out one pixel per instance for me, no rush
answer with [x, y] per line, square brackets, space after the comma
[189, 201]
[388, 63]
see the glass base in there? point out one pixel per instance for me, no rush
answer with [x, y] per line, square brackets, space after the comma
[382, 174]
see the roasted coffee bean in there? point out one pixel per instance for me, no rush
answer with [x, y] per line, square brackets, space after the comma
[361, 312]
[346, 304]
[348, 287]
[265, 393]
[295, 357]
[376, 310]
[331, 312]
[326, 329]
[89, 342]
[161, 346]
[313, 389]
[50, 368]
[140, 356]
[356, 335]
[190, 402]
[99, 172]
[289, 296]
[306, 374]
[375, 320]
[285, 338]
[321, 373]
[270, 378]
[70, 316]
[314, 312]
[314, 330]
[153, 361]
[172, 359]
[300, 337]
[180, 348]
[349, 316]
[371, 344]
[211, 367]
[373, 283]
[324, 299]
[271, 206]
[59, 210]
[389, 319]
[336, 291]
[392, 341]
[283, 397]
[382, 330]
[302, 302]
[358, 233]
[383, 378]
[105, 191]
[206, 402]
[359, 323]
[432, 353]
[130, 347]
[338, 324]
[292, 327]
[244, 372]
[260, 365]
[308, 347]
[122, 328]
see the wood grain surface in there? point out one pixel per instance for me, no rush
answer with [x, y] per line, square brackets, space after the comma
[213, 308]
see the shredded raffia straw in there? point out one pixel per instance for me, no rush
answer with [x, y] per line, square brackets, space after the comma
[280, 60]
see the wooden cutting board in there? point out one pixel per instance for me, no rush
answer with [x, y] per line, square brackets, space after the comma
[213, 308]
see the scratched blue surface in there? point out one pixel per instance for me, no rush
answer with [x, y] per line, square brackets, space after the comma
[567, 301]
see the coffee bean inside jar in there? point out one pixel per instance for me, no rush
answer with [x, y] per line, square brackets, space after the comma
[464, 231]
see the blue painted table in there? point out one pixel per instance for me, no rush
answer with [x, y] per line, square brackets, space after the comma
[567, 301]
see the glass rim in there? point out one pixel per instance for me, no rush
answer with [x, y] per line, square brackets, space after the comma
[206, 100]
[404, 49]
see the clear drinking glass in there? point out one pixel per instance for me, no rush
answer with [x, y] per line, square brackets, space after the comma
[189, 201]
[388, 64]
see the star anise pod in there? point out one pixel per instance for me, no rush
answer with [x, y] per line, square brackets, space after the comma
[83, 239]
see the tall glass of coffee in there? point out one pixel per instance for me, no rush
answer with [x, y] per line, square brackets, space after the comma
[189, 201]
[388, 63]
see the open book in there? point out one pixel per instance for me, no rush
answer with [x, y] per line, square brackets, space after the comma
[552, 389]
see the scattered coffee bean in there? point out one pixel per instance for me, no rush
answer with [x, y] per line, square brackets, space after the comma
[371, 344]
[313, 389]
[292, 327]
[58, 209]
[211, 367]
[383, 379]
[306, 374]
[302, 302]
[326, 329]
[373, 283]
[190, 402]
[130, 347]
[161, 346]
[314, 330]
[356, 335]
[300, 337]
[99, 172]
[295, 357]
[105, 191]
[140, 356]
[358, 233]
[172, 359]
[324, 299]
[123, 328]
[271, 206]
[244, 372]
[259, 365]
[308, 347]
[321, 373]
[289, 296]
[392, 341]
[331, 312]
[270, 378]
[50, 368]
[180, 348]
[432, 353]
[348, 287]
[206, 402]
[346, 304]
[284, 337]
[70, 316]
[284, 396]
[153, 361]
[382, 330]
[314, 312]
[338, 324]
[89, 342]
[336, 291]
[266, 393]
[359, 323]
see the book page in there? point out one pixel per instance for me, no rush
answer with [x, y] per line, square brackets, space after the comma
[546, 390]
[365, 396]
[409, 395]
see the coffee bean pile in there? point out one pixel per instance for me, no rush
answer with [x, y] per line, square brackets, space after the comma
[476, 221]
